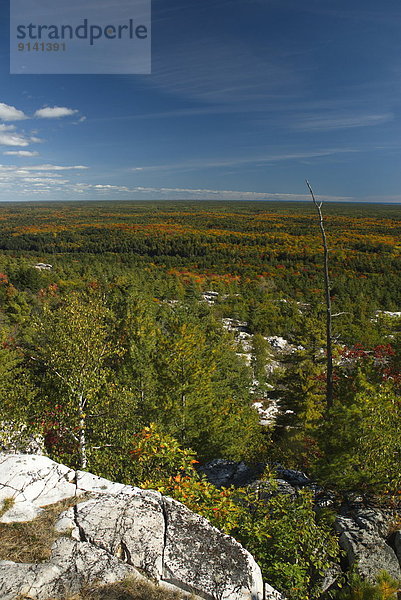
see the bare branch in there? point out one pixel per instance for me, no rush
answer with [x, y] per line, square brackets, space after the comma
[104, 446]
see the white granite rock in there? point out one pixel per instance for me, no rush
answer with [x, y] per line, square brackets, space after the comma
[117, 530]
[199, 558]
[33, 481]
[72, 565]
[272, 594]
[128, 526]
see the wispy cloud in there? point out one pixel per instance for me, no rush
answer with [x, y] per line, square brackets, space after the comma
[120, 188]
[29, 181]
[208, 194]
[47, 167]
[23, 153]
[200, 194]
[327, 123]
[54, 112]
[261, 160]
[31, 178]
[241, 75]
[44, 180]
[4, 127]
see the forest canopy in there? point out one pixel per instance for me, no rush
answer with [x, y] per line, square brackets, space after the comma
[141, 340]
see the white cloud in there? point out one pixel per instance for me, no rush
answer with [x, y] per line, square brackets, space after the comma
[54, 112]
[13, 139]
[24, 153]
[198, 194]
[33, 173]
[10, 113]
[17, 139]
[44, 180]
[119, 188]
[54, 167]
[28, 180]
[207, 194]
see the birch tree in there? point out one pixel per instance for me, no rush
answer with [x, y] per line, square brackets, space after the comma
[73, 346]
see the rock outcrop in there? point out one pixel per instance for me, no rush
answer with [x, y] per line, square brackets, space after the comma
[363, 537]
[72, 565]
[113, 531]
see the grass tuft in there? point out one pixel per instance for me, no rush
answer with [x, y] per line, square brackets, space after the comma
[7, 504]
[31, 541]
[130, 589]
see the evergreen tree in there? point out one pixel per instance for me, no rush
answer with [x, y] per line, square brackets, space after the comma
[16, 390]
[360, 442]
[140, 333]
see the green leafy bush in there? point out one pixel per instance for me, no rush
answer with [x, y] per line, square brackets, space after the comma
[293, 546]
[290, 543]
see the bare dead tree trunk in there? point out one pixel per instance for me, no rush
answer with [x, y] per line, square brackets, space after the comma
[329, 337]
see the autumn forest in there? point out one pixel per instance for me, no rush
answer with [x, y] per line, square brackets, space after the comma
[140, 340]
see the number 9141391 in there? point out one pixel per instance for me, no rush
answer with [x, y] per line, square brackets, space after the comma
[42, 47]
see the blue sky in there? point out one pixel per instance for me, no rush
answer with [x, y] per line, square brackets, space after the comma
[246, 99]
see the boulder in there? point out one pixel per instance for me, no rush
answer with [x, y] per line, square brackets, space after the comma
[372, 520]
[223, 473]
[331, 578]
[362, 536]
[115, 531]
[278, 343]
[294, 478]
[266, 490]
